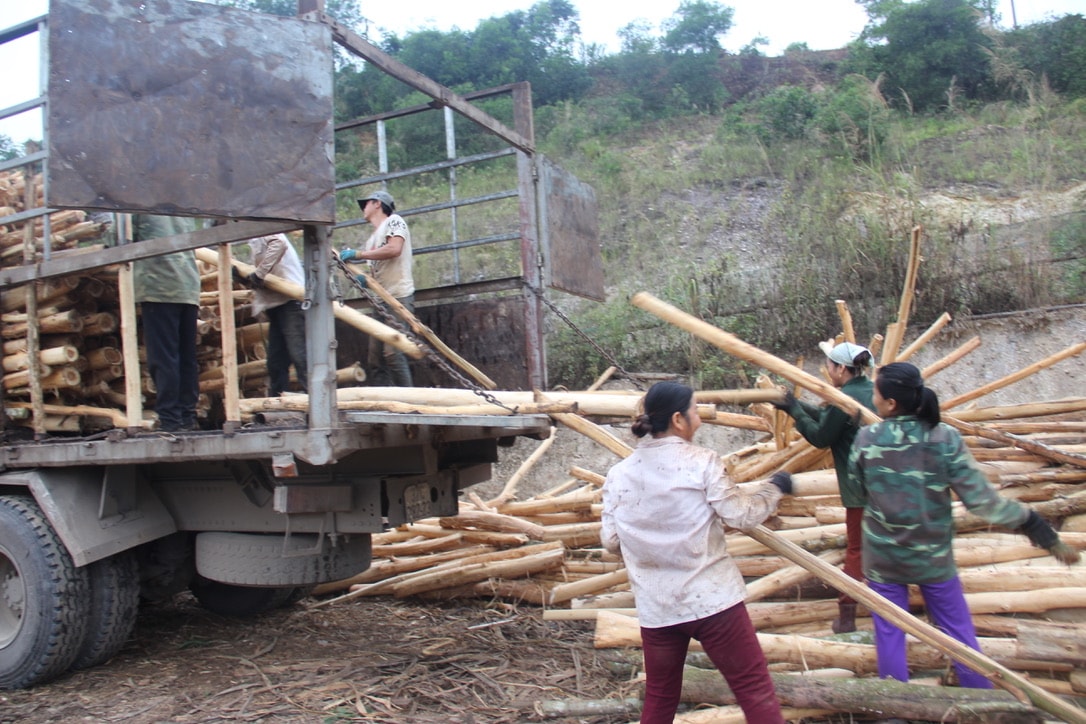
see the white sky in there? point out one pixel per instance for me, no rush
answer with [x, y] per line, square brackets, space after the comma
[822, 24]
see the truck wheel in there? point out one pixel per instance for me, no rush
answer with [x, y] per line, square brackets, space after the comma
[114, 600]
[43, 597]
[256, 559]
[227, 599]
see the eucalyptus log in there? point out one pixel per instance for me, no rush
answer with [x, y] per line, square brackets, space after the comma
[925, 337]
[1072, 351]
[883, 698]
[483, 520]
[382, 569]
[941, 364]
[426, 333]
[510, 488]
[343, 313]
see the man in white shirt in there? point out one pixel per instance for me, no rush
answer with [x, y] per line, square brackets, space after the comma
[389, 252]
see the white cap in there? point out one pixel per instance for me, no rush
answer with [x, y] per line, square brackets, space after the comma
[844, 353]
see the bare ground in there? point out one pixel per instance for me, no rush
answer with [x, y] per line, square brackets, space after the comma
[379, 660]
[469, 662]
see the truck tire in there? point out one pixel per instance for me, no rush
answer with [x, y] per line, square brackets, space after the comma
[254, 559]
[44, 598]
[114, 601]
[227, 599]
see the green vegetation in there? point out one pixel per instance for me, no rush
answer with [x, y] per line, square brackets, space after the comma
[755, 191]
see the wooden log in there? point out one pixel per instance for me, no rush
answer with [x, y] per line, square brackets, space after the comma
[895, 331]
[568, 591]
[743, 422]
[100, 323]
[578, 501]
[747, 352]
[881, 698]
[53, 356]
[925, 337]
[483, 537]
[60, 323]
[1072, 351]
[1000, 675]
[1039, 640]
[1024, 410]
[425, 332]
[736, 397]
[941, 364]
[350, 316]
[509, 490]
[381, 570]
[350, 376]
[116, 418]
[846, 320]
[788, 576]
[103, 357]
[534, 559]
[599, 381]
[418, 547]
[483, 520]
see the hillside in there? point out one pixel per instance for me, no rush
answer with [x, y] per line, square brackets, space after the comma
[761, 239]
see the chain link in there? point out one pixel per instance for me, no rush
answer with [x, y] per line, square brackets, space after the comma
[603, 353]
[391, 320]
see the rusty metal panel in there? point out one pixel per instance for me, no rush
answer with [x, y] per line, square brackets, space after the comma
[179, 107]
[569, 220]
[489, 333]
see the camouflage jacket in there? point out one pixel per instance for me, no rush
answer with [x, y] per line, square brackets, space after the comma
[830, 426]
[908, 473]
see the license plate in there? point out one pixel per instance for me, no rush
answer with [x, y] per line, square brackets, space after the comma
[416, 502]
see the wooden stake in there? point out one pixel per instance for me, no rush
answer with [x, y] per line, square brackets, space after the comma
[936, 326]
[846, 320]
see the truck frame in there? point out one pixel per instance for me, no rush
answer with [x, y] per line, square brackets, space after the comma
[246, 516]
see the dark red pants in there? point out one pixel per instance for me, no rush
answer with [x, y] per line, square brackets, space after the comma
[854, 518]
[730, 642]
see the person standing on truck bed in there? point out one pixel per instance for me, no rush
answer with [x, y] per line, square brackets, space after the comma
[167, 288]
[389, 251]
[286, 319]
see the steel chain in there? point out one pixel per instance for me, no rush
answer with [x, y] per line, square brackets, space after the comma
[395, 323]
[603, 353]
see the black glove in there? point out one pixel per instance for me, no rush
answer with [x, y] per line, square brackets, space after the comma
[783, 480]
[786, 402]
[1039, 532]
[256, 281]
[239, 277]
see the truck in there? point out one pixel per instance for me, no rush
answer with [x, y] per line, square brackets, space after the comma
[183, 108]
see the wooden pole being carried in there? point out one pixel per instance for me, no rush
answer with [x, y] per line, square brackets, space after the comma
[350, 316]
[426, 333]
[748, 352]
[1017, 684]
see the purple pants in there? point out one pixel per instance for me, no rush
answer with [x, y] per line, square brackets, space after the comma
[732, 645]
[949, 613]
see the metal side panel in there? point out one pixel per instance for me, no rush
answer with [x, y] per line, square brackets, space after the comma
[98, 513]
[177, 107]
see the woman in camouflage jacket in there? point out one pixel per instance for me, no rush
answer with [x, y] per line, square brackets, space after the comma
[909, 464]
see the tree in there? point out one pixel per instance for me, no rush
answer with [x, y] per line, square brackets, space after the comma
[927, 49]
[695, 27]
[1055, 50]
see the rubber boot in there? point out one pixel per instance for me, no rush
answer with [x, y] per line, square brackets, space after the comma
[846, 618]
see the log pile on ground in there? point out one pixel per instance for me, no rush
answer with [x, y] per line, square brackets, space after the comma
[546, 550]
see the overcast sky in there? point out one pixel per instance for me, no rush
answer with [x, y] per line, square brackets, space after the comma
[821, 24]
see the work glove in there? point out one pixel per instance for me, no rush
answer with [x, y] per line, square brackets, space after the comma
[786, 402]
[256, 281]
[783, 480]
[361, 279]
[347, 254]
[1043, 535]
[240, 278]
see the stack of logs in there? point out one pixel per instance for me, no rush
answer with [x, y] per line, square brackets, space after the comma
[78, 321]
[546, 549]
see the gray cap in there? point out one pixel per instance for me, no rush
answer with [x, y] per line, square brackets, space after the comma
[844, 353]
[383, 196]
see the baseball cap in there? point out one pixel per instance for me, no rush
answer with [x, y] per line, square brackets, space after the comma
[383, 196]
[844, 353]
